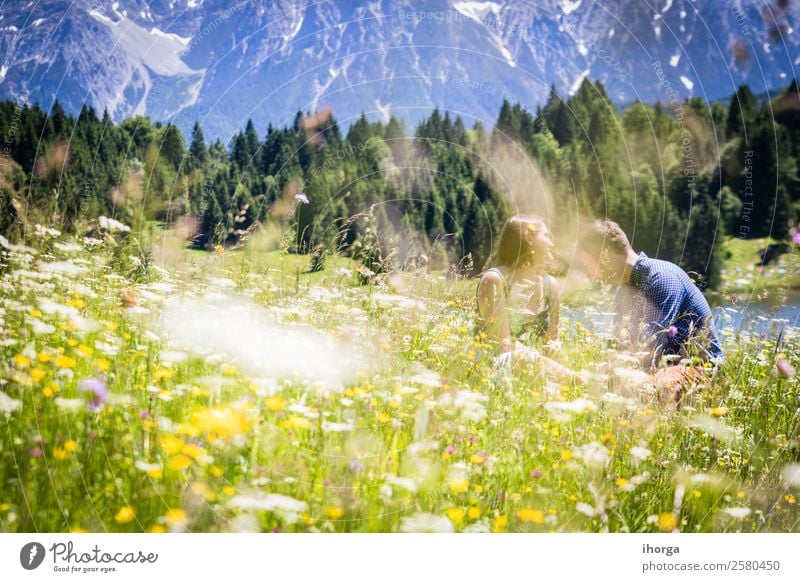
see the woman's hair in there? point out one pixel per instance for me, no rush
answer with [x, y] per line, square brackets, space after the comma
[516, 240]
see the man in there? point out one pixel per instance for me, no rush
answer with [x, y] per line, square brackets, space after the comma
[657, 304]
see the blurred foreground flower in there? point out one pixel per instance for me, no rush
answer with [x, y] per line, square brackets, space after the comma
[529, 515]
[784, 368]
[426, 523]
[737, 512]
[97, 391]
[176, 518]
[125, 515]
[791, 475]
[639, 454]
[594, 455]
[564, 411]
[667, 522]
[226, 423]
[112, 225]
[468, 404]
[287, 508]
[8, 404]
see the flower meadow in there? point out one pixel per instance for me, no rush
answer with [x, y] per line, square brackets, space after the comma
[238, 393]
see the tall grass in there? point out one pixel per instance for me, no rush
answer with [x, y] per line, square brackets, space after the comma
[418, 433]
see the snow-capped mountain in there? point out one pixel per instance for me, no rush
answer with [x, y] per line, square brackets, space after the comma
[222, 61]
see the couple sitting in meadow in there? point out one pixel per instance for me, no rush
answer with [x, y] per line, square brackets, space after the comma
[660, 313]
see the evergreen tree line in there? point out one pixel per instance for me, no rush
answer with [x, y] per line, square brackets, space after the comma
[678, 177]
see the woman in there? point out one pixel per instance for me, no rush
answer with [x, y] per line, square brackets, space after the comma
[518, 300]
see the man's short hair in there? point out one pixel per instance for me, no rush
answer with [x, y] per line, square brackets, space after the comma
[604, 234]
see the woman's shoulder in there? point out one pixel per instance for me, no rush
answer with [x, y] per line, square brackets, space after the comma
[492, 277]
[549, 280]
[551, 285]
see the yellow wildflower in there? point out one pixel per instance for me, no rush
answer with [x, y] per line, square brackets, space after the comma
[60, 454]
[295, 421]
[226, 422]
[125, 515]
[65, 362]
[667, 521]
[458, 485]
[334, 512]
[163, 374]
[455, 514]
[193, 451]
[203, 491]
[179, 462]
[529, 515]
[172, 445]
[77, 303]
[21, 361]
[155, 473]
[499, 524]
[175, 516]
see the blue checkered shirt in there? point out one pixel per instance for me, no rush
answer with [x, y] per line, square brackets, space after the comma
[661, 308]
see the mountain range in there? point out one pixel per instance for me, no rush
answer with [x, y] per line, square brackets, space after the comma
[221, 62]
